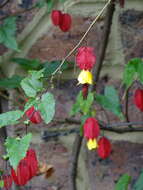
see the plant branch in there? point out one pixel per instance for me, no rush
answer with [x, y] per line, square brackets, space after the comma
[4, 4]
[83, 37]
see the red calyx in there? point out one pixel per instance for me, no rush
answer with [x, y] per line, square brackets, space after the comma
[85, 58]
[7, 181]
[56, 17]
[138, 99]
[104, 147]
[33, 115]
[65, 22]
[27, 168]
[91, 128]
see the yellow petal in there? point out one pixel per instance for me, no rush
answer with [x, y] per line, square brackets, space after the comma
[85, 77]
[92, 144]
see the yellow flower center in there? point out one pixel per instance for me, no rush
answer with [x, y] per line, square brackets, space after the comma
[85, 77]
[92, 144]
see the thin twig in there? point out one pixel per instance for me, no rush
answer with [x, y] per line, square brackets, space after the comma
[83, 37]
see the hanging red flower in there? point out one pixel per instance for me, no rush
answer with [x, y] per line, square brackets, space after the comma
[33, 115]
[22, 174]
[7, 179]
[104, 147]
[32, 162]
[85, 58]
[56, 17]
[138, 99]
[27, 168]
[91, 132]
[65, 22]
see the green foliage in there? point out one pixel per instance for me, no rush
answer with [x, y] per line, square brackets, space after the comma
[50, 67]
[13, 82]
[47, 107]
[10, 118]
[7, 33]
[133, 70]
[110, 101]
[123, 182]
[1, 183]
[16, 148]
[32, 83]
[50, 5]
[82, 104]
[28, 64]
[139, 184]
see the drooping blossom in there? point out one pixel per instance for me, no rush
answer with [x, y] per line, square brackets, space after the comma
[85, 77]
[104, 147]
[85, 58]
[91, 132]
[56, 17]
[63, 20]
[27, 168]
[138, 99]
[7, 179]
[33, 115]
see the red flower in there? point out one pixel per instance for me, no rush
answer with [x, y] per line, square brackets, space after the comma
[138, 99]
[22, 174]
[85, 58]
[33, 115]
[91, 132]
[65, 22]
[32, 162]
[7, 181]
[56, 17]
[27, 168]
[104, 147]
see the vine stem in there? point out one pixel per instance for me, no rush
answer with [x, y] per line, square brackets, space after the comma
[83, 37]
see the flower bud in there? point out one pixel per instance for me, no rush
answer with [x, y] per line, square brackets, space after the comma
[33, 115]
[104, 147]
[138, 99]
[65, 22]
[56, 17]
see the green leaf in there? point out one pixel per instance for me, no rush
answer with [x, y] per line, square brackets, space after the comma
[1, 183]
[110, 101]
[140, 70]
[139, 184]
[76, 106]
[130, 71]
[17, 148]
[13, 82]
[32, 102]
[10, 118]
[40, 4]
[7, 33]
[123, 182]
[28, 64]
[32, 84]
[47, 107]
[50, 5]
[50, 67]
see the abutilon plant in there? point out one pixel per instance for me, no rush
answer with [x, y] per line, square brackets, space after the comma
[33, 115]
[138, 99]
[104, 148]
[56, 17]
[91, 132]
